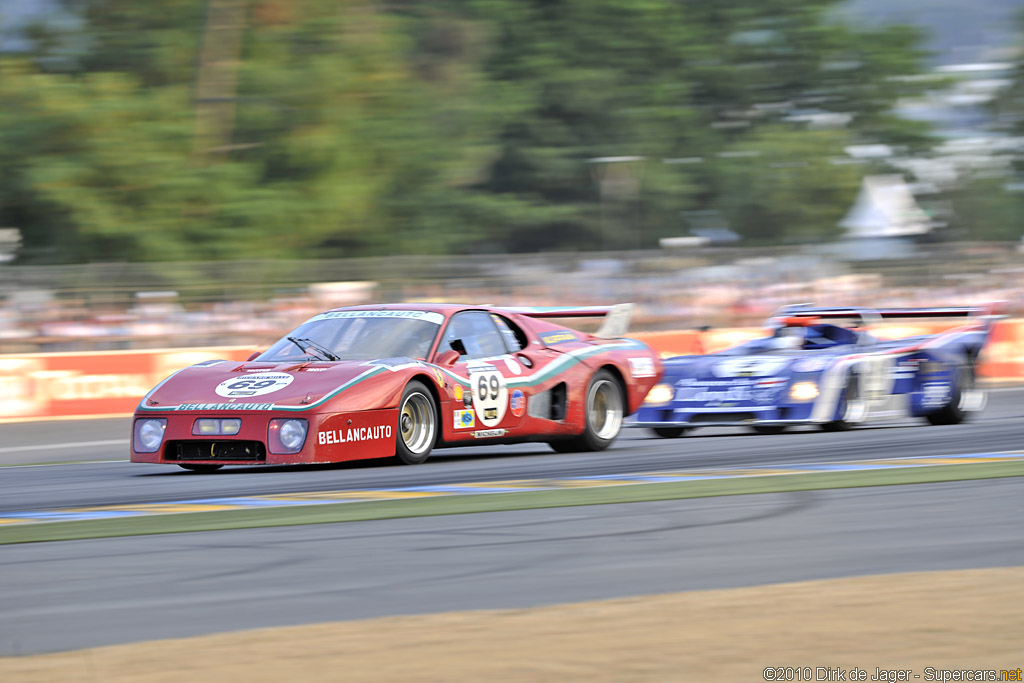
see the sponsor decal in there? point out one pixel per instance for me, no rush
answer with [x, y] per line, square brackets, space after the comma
[439, 376]
[723, 393]
[767, 390]
[333, 436]
[225, 406]
[719, 393]
[429, 316]
[489, 433]
[256, 384]
[810, 364]
[749, 366]
[935, 394]
[517, 403]
[490, 394]
[315, 369]
[558, 337]
[641, 367]
[464, 419]
[457, 392]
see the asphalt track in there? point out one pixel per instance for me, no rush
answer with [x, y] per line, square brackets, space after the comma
[59, 596]
[999, 428]
[68, 595]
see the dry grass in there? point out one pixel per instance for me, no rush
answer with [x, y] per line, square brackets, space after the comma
[964, 619]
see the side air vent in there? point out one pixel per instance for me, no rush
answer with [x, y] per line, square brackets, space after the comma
[550, 404]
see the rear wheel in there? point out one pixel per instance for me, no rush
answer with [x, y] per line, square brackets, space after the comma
[603, 410]
[953, 413]
[669, 432]
[417, 425]
[201, 468]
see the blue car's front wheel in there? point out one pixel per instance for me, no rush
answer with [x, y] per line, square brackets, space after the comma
[851, 409]
[669, 432]
[769, 429]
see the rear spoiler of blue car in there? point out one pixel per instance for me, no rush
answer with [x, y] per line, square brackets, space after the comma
[987, 313]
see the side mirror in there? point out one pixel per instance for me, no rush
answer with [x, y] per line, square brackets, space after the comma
[448, 358]
[254, 356]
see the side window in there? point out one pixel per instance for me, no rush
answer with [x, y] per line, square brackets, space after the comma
[515, 338]
[478, 336]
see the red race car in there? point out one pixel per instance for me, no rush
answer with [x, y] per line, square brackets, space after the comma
[400, 380]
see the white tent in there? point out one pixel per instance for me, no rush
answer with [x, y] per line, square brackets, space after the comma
[885, 207]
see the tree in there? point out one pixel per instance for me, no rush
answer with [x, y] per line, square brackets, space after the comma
[667, 81]
[362, 128]
[784, 184]
[334, 129]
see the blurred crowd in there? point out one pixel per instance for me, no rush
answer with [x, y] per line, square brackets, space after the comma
[742, 292]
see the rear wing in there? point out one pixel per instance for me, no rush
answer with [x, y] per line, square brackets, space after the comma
[986, 315]
[616, 318]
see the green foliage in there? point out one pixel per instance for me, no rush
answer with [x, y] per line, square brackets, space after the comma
[365, 128]
[985, 209]
[784, 184]
[989, 206]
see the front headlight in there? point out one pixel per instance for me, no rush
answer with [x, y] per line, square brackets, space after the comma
[660, 394]
[803, 391]
[149, 434]
[287, 435]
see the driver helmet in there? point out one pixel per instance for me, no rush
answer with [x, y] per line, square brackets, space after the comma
[788, 338]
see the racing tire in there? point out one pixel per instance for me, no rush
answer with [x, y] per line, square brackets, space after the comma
[669, 432]
[201, 468]
[417, 425]
[849, 406]
[953, 413]
[603, 411]
[769, 429]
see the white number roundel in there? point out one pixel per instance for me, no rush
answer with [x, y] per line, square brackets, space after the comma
[749, 366]
[256, 384]
[490, 396]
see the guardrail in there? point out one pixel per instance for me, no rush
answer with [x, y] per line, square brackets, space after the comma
[111, 383]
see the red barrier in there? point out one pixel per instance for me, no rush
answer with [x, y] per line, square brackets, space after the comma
[92, 384]
[109, 383]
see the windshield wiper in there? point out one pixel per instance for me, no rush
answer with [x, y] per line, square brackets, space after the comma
[305, 344]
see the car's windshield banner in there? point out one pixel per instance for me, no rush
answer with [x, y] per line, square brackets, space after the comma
[428, 316]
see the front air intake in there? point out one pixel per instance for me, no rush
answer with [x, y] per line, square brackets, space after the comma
[226, 451]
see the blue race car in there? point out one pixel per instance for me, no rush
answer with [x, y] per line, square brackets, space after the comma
[820, 366]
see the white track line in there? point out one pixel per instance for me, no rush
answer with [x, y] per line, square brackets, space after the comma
[62, 446]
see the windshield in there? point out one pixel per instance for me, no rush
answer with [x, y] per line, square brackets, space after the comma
[358, 335]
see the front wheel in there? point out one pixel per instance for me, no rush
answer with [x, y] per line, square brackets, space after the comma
[201, 468]
[417, 425]
[603, 410]
[769, 429]
[851, 409]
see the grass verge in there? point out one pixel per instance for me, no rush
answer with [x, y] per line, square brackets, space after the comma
[462, 504]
